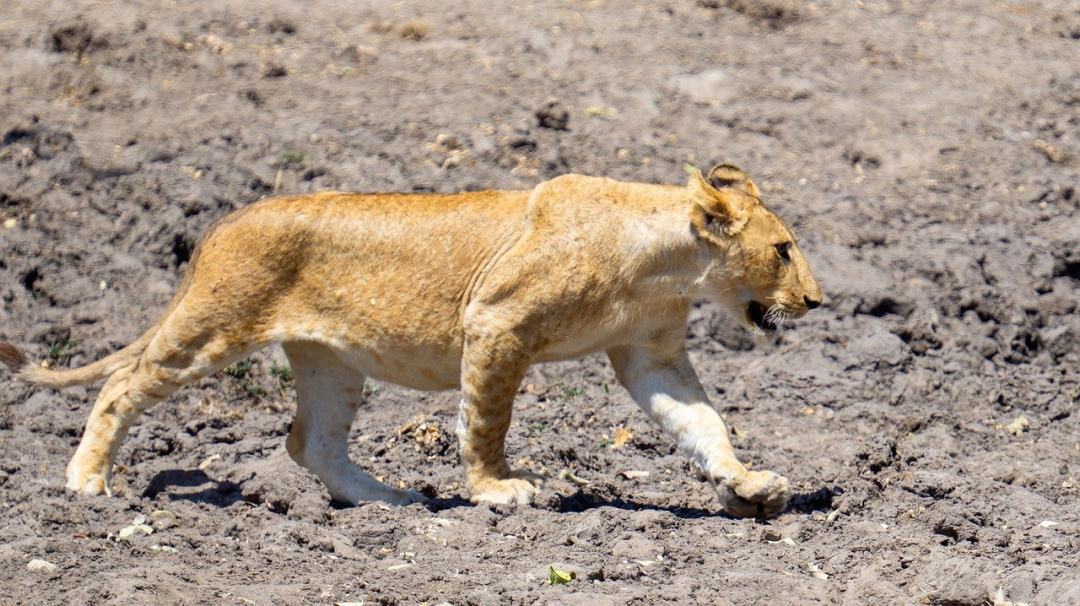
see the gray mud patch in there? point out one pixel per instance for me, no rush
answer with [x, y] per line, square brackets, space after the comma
[926, 152]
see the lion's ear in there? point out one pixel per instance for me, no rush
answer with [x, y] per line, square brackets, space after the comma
[716, 210]
[729, 176]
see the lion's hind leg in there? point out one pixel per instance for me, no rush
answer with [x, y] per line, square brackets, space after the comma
[169, 362]
[328, 393]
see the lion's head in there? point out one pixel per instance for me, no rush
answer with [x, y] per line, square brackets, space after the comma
[756, 271]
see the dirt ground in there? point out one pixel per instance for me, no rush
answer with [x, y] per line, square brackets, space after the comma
[926, 151]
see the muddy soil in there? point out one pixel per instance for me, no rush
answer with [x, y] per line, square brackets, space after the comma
[926, 151]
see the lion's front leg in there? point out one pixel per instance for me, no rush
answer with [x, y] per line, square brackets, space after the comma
[492, 369]
[664, 385]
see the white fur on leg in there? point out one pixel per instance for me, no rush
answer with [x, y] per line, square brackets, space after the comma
[668, 390]
[87, 483]
[328, 394]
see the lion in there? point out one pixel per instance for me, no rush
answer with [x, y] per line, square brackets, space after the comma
[440, 291]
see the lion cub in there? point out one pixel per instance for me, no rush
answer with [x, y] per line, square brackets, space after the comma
[441, 291]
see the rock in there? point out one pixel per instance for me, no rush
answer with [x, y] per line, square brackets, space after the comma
[37, 565]
[1018, 426]
[128, 532]
[816, 572]
[162, 519]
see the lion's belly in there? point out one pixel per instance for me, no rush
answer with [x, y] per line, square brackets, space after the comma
[423, 368]
[579, 344]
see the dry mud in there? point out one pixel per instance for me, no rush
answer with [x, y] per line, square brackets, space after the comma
[927, 152]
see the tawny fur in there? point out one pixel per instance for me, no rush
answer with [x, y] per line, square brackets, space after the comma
[464, 290]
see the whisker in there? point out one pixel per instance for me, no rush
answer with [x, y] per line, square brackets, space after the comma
[777, 316]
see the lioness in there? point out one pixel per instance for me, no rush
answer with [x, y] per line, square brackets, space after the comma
[438, 291]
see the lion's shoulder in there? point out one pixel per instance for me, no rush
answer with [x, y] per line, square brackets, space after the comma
[574, 194]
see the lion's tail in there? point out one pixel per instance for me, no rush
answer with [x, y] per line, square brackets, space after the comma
[17, 361]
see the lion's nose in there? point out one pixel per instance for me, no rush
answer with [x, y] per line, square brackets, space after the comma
[811, 303]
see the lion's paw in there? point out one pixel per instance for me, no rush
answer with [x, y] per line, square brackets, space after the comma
[87, 484]
[755, 494]
[519, 488]
[406, 497]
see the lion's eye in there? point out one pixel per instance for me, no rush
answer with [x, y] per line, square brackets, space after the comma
[784, 250]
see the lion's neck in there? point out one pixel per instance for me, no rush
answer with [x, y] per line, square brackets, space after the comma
[670, 260]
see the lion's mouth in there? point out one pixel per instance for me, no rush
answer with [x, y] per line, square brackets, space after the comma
[758, 316]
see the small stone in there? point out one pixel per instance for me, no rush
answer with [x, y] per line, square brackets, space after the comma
[816, 572]
[1018, 426]
[10, 223]
[37, 565]
[1052, 153]
[163, 519]
[208, 461]
[771, 535]
[129, 531]
[633, 474]
[217, 45]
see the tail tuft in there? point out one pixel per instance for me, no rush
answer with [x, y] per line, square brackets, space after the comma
[12, 356]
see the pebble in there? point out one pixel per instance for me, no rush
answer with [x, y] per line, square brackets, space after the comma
[129, 531]
[1018, 426]
[816, 572]
[163, 519]
[37, 565]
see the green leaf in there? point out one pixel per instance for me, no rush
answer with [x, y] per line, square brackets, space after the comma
[689, 168]
[560, 577]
